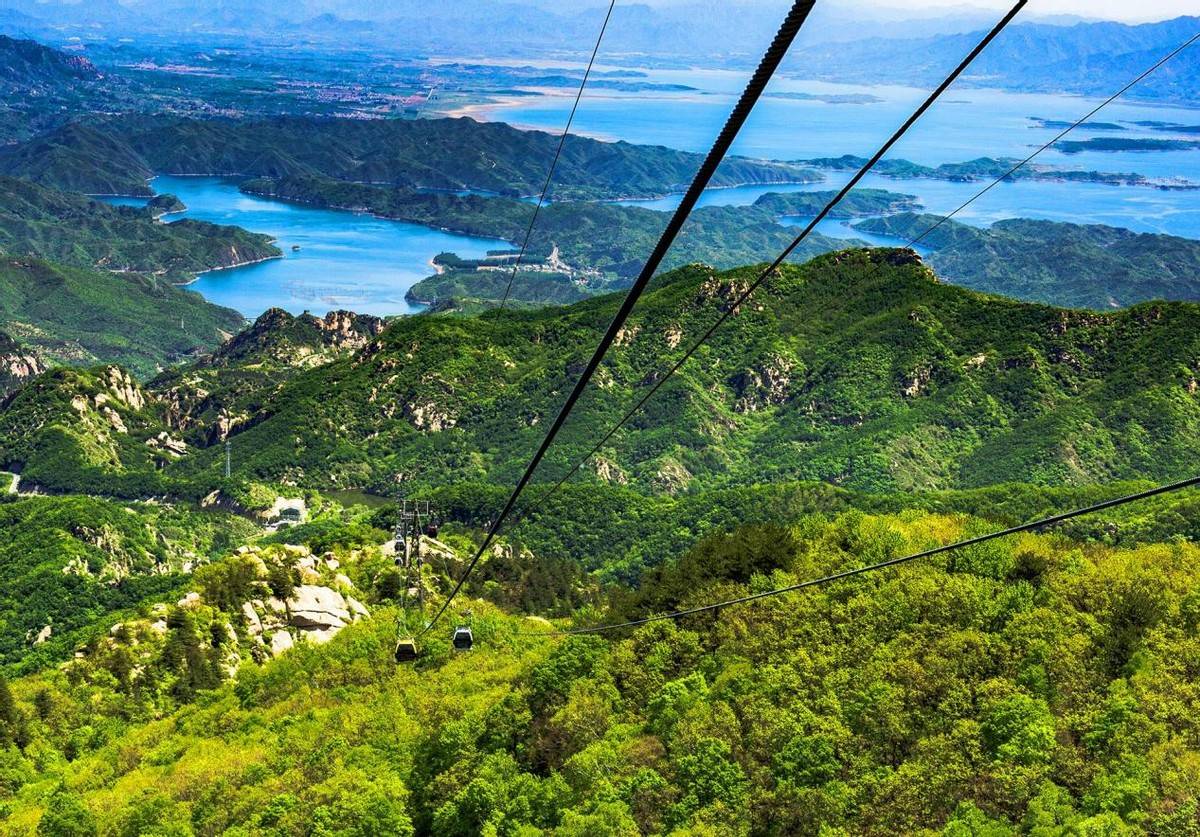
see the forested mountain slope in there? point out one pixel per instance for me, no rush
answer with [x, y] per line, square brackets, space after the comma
[858, 368]
[29, 67]
[41, 87]
[79, 158]
[1086, 266]
[75, 316]
[75, 230]
[1031, 686]
[429, 153]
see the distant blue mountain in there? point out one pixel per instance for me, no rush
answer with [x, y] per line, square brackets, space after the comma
[1087, 58]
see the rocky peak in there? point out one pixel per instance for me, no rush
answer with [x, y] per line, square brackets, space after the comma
[349, 330]
[17, 365]
[280, 337]
[124, 387]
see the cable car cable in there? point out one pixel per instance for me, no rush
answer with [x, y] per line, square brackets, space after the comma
[737, 118]
[733, 307]
[557, 153]
[1025, 527]
[838, 576]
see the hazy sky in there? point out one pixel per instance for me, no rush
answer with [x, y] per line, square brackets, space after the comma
[1111, 9]
[1102, 9]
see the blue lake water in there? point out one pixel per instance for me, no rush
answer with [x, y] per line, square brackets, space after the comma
[1141, 209]
[356, 261]
[966, 124]
[346, 259]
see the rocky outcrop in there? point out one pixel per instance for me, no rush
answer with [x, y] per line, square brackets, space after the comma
[167, 444]
[723, 287]
[671, 476]
[425, 415]
[125, 388]
[289, 510]
[316, 610]
[764, 385]
[209, 406]
[609, 471]
[281, 641]
[313, 613]
[915, 383]
[17, 365]
[298, 341]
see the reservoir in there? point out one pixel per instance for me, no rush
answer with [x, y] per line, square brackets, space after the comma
[345, 259]
[966, 124]
[336, 259]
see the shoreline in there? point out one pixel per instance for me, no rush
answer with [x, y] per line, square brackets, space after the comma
[234, 266]
[363, 210]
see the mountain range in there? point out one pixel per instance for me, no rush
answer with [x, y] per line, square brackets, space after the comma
[1093, 59]
[858, 368]
[101, 156]
[840, 43]
[203, 585]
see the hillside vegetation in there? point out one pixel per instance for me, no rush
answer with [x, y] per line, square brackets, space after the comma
[429, 153]
[79, 317]
[1084, 266]
[1031, 686]
[70, 563]
[858, 368]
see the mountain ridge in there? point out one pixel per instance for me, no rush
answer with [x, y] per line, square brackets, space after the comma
[858, 368]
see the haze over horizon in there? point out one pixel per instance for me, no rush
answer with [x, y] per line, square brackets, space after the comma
[1151, 10]
[1090, 9]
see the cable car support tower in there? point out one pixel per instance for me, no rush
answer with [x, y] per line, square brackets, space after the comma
[415, 519]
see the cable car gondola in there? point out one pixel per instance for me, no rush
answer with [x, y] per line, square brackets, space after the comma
[406, 650]
[463, 638]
